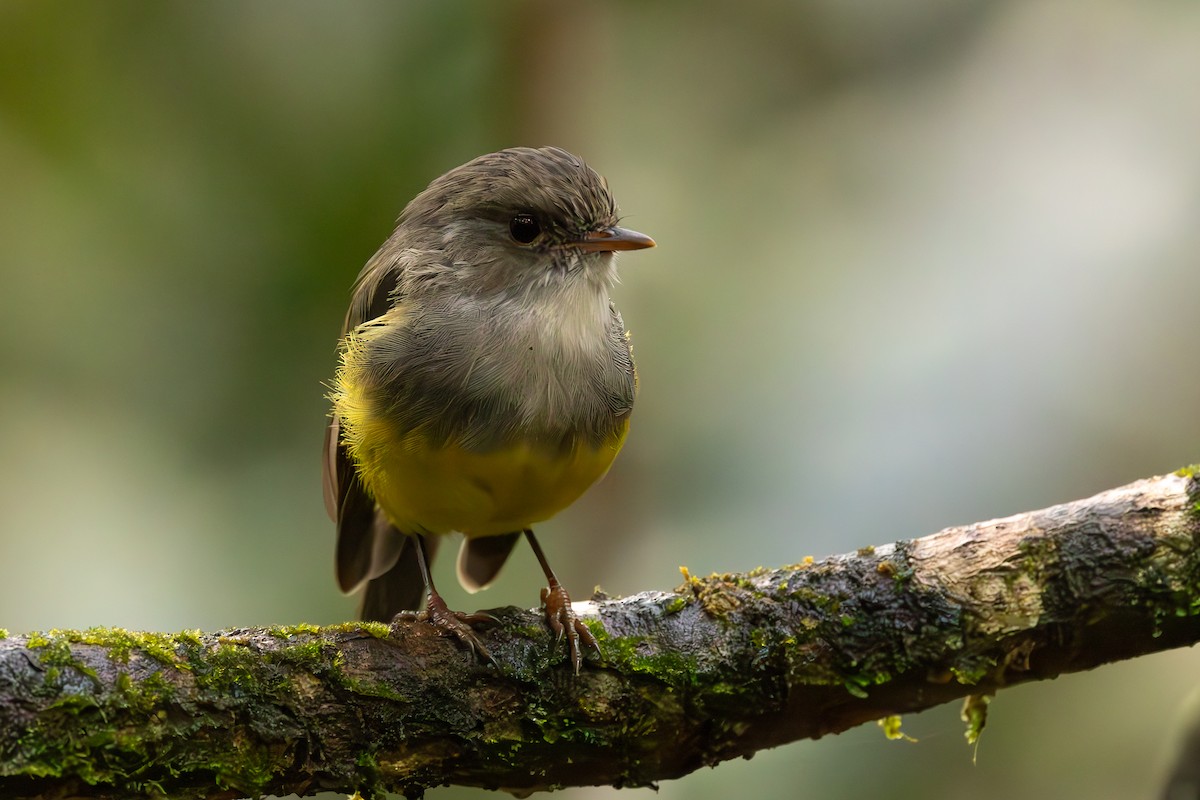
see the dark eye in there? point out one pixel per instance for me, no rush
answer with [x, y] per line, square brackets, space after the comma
[524, 228]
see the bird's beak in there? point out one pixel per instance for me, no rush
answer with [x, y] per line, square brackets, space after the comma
[610, 239]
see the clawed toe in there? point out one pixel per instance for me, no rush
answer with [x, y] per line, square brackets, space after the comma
[452, 623]
[566, 625]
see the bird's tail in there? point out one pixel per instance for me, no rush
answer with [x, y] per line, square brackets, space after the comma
[401, 588]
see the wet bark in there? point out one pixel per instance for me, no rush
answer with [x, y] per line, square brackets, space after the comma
[719, 668]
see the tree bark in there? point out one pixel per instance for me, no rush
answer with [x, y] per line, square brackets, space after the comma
[719, 668]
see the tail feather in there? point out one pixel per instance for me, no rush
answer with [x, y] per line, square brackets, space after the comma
[480, 559]
[401, 588]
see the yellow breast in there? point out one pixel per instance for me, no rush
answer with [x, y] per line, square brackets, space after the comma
[427, 489]
[428, 486]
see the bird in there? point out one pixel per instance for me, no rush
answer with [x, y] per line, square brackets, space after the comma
[485, 380]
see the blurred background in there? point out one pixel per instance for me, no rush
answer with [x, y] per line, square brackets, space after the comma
[919, 264]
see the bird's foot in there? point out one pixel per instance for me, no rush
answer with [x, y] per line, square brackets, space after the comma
[452, 623]
[563, 622]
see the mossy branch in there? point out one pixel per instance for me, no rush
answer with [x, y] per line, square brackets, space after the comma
[719, 668]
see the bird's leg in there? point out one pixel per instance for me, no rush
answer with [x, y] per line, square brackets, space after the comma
[439, 615]
[559, 615]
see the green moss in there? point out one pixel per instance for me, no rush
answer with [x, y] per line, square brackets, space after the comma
[720, 594]
[121, 644]
[1168, 578]
[247, 767]
[675, 605]
[1037, 552]
[92, 737]
[857, 683]
[80, 735]
[969, 672]
[311, 655]
[232, 668]
[309, 652]
[368, 760]
[291, 631]
[370, 688]
[890, 569]
[974, 713]
[1192, 473]
[627, 654]
[233, 665]
[555, 727]
[54, 652]
[857, 686]
[4, 633]
[891, 729]
[818, 601]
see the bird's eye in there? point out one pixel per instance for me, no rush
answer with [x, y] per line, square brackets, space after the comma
[524, 228]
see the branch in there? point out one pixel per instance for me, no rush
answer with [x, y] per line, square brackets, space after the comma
[719, 668]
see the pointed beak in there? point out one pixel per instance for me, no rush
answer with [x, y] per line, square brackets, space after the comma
[610, 239]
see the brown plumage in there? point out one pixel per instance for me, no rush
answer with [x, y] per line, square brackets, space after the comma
[486, 379]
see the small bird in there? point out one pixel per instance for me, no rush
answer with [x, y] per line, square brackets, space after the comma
[485, 382]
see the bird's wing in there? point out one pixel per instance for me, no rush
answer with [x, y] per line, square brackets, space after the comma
[368, 546]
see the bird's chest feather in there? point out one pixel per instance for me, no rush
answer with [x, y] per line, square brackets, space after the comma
[483, 378]
[464, 424]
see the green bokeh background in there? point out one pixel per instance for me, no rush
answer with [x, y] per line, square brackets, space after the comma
[920, 264]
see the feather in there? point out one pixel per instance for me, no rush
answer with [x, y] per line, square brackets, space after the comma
[481, 557]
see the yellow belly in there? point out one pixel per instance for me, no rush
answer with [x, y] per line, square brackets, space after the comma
[441, 489]
[425, 488]
[437, 490]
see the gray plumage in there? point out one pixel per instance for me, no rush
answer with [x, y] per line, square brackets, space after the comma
[502, 343]
[501, 340]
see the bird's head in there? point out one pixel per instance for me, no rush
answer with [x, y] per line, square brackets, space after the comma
[517, 221]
